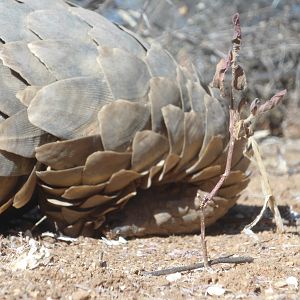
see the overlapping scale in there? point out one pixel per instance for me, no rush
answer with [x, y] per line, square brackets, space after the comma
[67, 154]
[57, 24]
[127, 75]
[118, 132]
[101, 165]
[18, 57]
[13, 22]
[66, 58]
[68, 108]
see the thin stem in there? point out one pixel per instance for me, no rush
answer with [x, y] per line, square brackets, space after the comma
[233, 124]
[203, 240]
[234, 117]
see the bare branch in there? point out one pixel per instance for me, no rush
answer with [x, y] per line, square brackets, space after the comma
[256, 108]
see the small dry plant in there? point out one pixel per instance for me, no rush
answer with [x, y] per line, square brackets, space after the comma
[230, 79]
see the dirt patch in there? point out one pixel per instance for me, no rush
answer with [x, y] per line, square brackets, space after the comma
[46, 268]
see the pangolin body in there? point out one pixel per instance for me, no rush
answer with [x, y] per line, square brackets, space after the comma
[107, 132]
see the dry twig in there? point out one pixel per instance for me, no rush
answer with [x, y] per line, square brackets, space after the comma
[238, 126]
[220, 260]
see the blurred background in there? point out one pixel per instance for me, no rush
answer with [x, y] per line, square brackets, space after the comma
[202, 30]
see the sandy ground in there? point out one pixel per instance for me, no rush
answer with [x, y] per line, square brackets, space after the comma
[48, 268]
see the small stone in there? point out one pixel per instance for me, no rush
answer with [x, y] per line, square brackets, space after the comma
[292, 281]
[215, 290]
[173, 277]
